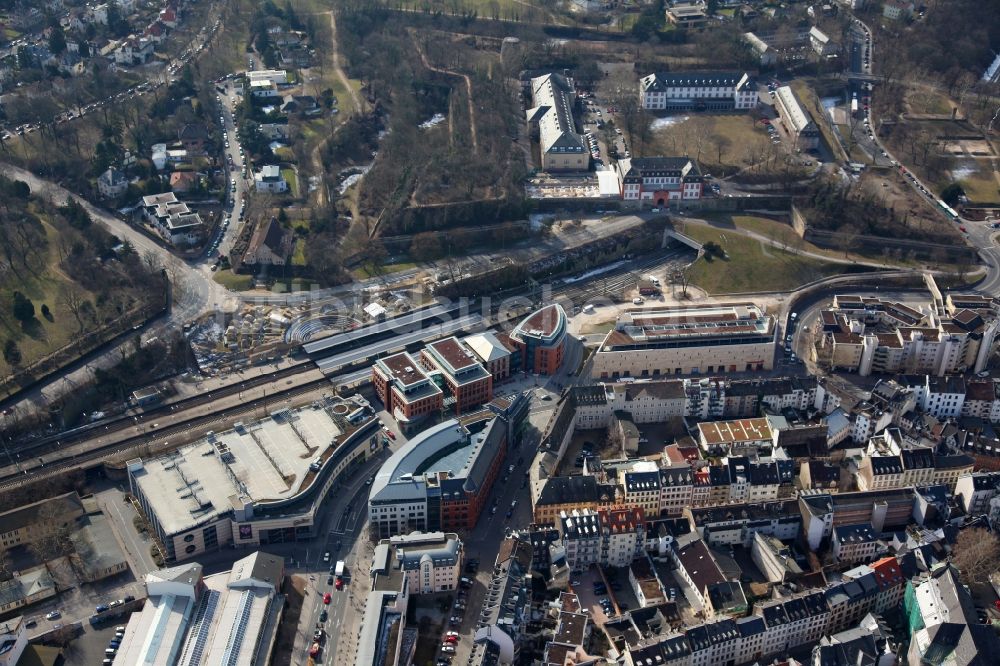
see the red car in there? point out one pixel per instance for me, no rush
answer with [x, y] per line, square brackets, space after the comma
[327, 598]
[390, 433]
[451, 639]
[339, 585]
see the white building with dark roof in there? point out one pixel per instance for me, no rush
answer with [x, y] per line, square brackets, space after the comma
[698, 91]
[562, 147]
[659, 180]
[796, 119]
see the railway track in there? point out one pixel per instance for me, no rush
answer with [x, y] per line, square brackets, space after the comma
[149, 444]
[52, 443]
[33, 453]
[614, 282]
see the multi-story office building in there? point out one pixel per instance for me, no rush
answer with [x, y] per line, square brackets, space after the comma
[541, 339]
[405, 389]
[441, 478]
[698, 91]
[700, 339]
[465, 380]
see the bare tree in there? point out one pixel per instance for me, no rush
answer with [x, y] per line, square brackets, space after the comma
[976, 553]
[71, 297]
[53, 542]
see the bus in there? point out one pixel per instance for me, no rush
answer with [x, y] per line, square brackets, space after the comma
[948, 210]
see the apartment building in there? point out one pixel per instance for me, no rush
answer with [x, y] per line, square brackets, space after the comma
[982, 400]
[872, 335]
[550, 118]
[975, 490]
[642, 488]
[795, 119]
[696, 565]
[659, 180]
[775, 627]
[854, 543]
[623, 533]
[507, 606]
[698, 91]
[684, 340]
[733, 524]
[609, 537]
[431, 561]
[676, 488]
[172, 219]
[581, 537]
[561, 494]
[942, 397]
[888, 464]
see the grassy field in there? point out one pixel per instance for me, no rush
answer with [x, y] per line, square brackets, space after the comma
[365, 272]
[293, 182]
[232, 281]
[601, 327]
[752, 266]
[923, 101]
[43, 335]
[982, 186]
[699, 136]
[299, 253]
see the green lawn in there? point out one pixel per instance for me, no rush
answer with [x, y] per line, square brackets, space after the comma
[751, 265]
[299, 254]
[982, 187]
[43, 336]
[702, 136]
[293, 182]
[922, 101]
[367, 271]
[232, 281]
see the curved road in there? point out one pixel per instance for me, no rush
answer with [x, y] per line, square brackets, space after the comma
[195, 292]
[978, 234]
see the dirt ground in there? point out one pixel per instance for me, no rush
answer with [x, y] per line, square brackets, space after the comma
[294, 591]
